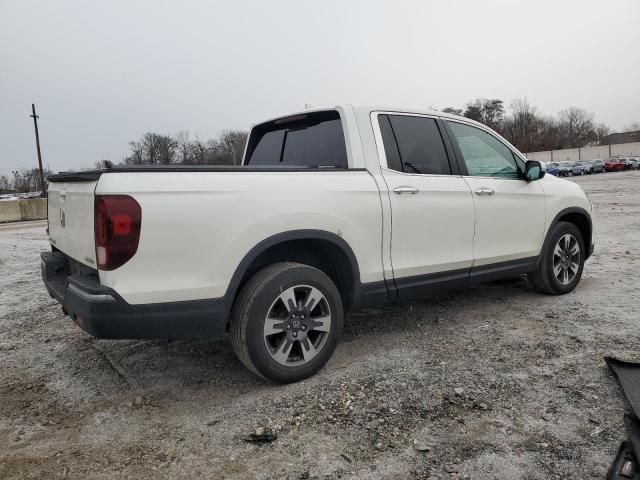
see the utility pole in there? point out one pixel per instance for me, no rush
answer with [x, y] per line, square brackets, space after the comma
[35, 125]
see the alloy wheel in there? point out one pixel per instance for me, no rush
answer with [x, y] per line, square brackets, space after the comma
[566, 259]
[297, 325]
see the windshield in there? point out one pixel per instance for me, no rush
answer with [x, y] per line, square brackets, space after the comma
[565, 164]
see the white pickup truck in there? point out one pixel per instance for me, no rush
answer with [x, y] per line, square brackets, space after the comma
[332, 209]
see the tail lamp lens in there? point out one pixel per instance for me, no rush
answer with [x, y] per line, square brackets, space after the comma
[117, 230]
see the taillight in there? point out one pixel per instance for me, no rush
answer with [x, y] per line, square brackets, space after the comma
[117, 230]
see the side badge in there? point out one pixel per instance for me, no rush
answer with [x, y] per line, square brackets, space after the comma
[62, 218]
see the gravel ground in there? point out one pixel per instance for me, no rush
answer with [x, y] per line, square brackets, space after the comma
[495, 381]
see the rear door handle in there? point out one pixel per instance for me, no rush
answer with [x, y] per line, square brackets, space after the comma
[484, 191]
[405, 189]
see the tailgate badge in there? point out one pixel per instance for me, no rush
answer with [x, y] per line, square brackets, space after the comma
[62, 217]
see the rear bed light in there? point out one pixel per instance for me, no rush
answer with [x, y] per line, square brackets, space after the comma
[117, 230]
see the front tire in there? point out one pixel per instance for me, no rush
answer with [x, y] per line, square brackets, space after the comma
[286, 322]
[561, 262]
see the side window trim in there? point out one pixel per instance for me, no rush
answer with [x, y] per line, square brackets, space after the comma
[462, 167]
[460, 159]
[377, 133]
[395, 143]
[454, 164]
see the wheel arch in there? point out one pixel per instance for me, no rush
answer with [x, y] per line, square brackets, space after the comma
[321, 249]
[580, 218]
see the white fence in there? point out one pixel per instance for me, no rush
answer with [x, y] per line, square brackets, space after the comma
[587, 153]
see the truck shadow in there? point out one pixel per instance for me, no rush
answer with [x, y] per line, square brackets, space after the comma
[404, 316]
[188, 369]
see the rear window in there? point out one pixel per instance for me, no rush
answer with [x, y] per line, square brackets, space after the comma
[308, 140]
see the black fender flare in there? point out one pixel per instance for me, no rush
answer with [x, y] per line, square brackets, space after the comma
[264, 245]
[556, 219]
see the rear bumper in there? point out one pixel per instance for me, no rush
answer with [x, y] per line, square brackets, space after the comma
[101, 312]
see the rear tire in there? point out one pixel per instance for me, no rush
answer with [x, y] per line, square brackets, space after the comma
[562, 261]
[286, 322]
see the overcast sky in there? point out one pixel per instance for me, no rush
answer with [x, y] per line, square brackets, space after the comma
[103, 73]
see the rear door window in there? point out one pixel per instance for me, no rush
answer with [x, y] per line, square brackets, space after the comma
[413, 145]
[307, 140]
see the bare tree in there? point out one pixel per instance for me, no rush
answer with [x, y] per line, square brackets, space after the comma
[632, 127]
[136, 154]
[4, 183]
[548, 133]
[214, 153]
[184, 147]
[601, 132]
[104, 164]
[151, 148]
[199, 150]
[576, 127]
[522, 125]
[232, 146]
[166, 147]
[28, 180]
[487, 111]
[530, 131]
[452, 111]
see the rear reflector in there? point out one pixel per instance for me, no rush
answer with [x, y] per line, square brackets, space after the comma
[117, 230]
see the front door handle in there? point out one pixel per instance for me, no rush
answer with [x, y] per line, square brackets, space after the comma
[484, 191]
[405, 189]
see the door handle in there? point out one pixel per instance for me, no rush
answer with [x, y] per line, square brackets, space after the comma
[405, 189]
[484, 191]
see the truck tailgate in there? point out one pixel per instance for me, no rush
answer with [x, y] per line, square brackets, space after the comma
[71, 219]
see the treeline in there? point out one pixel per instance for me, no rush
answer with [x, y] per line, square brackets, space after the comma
[23, 180]
[521, 123]
[151, 149]
[181, 148]
[530, 130]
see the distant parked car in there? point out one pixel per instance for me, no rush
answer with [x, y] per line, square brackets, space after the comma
[588, 165]
[633, 163]
[597, 166]
[565, 169]
[552, 168]
[615, 165]
[579, 168]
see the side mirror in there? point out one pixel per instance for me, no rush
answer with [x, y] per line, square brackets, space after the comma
[534, 170]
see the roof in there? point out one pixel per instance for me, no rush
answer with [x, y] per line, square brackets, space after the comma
[377, 108]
